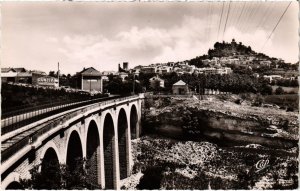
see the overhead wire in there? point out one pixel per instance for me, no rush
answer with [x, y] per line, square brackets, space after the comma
[256, 7]
[247, 14]
[228, 12]
[276, 25]
[239, 17]
[266, 13]
[220, 20]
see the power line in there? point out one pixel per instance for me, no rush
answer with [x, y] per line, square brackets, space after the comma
[238, 20]
[247, 14]
[226, 20]
[266, 14]
[276, 25]
[220, 20]
[256, 8]
[209, 19]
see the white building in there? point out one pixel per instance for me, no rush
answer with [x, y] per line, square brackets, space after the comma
[156, 82]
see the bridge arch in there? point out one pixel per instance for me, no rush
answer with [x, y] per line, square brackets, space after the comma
[11, 182]
[109, 152]
[49, 168]
[74, 150]
[93, 153]
[123, 144]
[14, 186]
[51, 145]
[134, 122]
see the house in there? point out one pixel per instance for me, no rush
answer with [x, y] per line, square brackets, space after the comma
[24, 77]
[272, 77]
[156, 82]
[180, 88]
[122, 75]
[90, 79]
[20, 70]
[8, 75]
[148, 69]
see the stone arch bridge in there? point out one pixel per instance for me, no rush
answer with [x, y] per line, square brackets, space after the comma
[100, 132]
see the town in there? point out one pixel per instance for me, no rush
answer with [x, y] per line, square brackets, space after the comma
[234, 60]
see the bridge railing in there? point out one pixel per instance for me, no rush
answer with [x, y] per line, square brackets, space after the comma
[16, 122]
[60, 120]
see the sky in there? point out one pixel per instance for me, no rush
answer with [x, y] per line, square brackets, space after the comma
[38, 35]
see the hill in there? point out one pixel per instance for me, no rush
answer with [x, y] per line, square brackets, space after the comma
[232, 50]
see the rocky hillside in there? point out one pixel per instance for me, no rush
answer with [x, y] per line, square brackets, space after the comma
[222, 119]
[162, 163]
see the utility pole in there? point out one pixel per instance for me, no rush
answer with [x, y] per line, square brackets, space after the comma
[199, 91]
[58, 73]
[133, 84]
[90, 85]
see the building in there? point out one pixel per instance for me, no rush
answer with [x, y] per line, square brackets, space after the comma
[265, 63]
[125, 67]
[156, 82]
[19, 70]
[122, 75]
[24, 77]
[90, 79]
[148, 69]
[180, 88]
[47, 81]
[8, 75]
[272, 77]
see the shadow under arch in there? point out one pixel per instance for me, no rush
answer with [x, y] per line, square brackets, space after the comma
[14, 186]
[123, 144]
[133, 122]
[74, 159]
[93, 154]
[109, 152]
[50, 169]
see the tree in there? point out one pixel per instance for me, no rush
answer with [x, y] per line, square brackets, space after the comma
[266, 89]
[52, 73]
[279, 91]
[59, 177]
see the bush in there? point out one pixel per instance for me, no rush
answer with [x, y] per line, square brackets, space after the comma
[151, 179]
[279, 91]
[60, 177]
[266, 89]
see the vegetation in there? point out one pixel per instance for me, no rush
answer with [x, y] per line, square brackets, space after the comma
[17, 97]
[279, 91]
[163, 160]
[116, 85]
[55, 176]
[235, 83]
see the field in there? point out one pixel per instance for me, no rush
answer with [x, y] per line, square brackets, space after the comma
[287, 89]
[286, 100]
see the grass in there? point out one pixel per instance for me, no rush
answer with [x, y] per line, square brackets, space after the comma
[286, 100]
[286, 89]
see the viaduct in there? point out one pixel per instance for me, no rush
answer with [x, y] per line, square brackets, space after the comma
[100, 132]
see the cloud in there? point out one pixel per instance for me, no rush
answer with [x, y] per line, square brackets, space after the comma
[138, 45]
[142, 46]
[52, 39]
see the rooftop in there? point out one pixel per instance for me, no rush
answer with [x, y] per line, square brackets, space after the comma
[179, 83]
[89, 72]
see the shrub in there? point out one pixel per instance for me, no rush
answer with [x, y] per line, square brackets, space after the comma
[151, 179]
[60, 177]
[279, 91]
